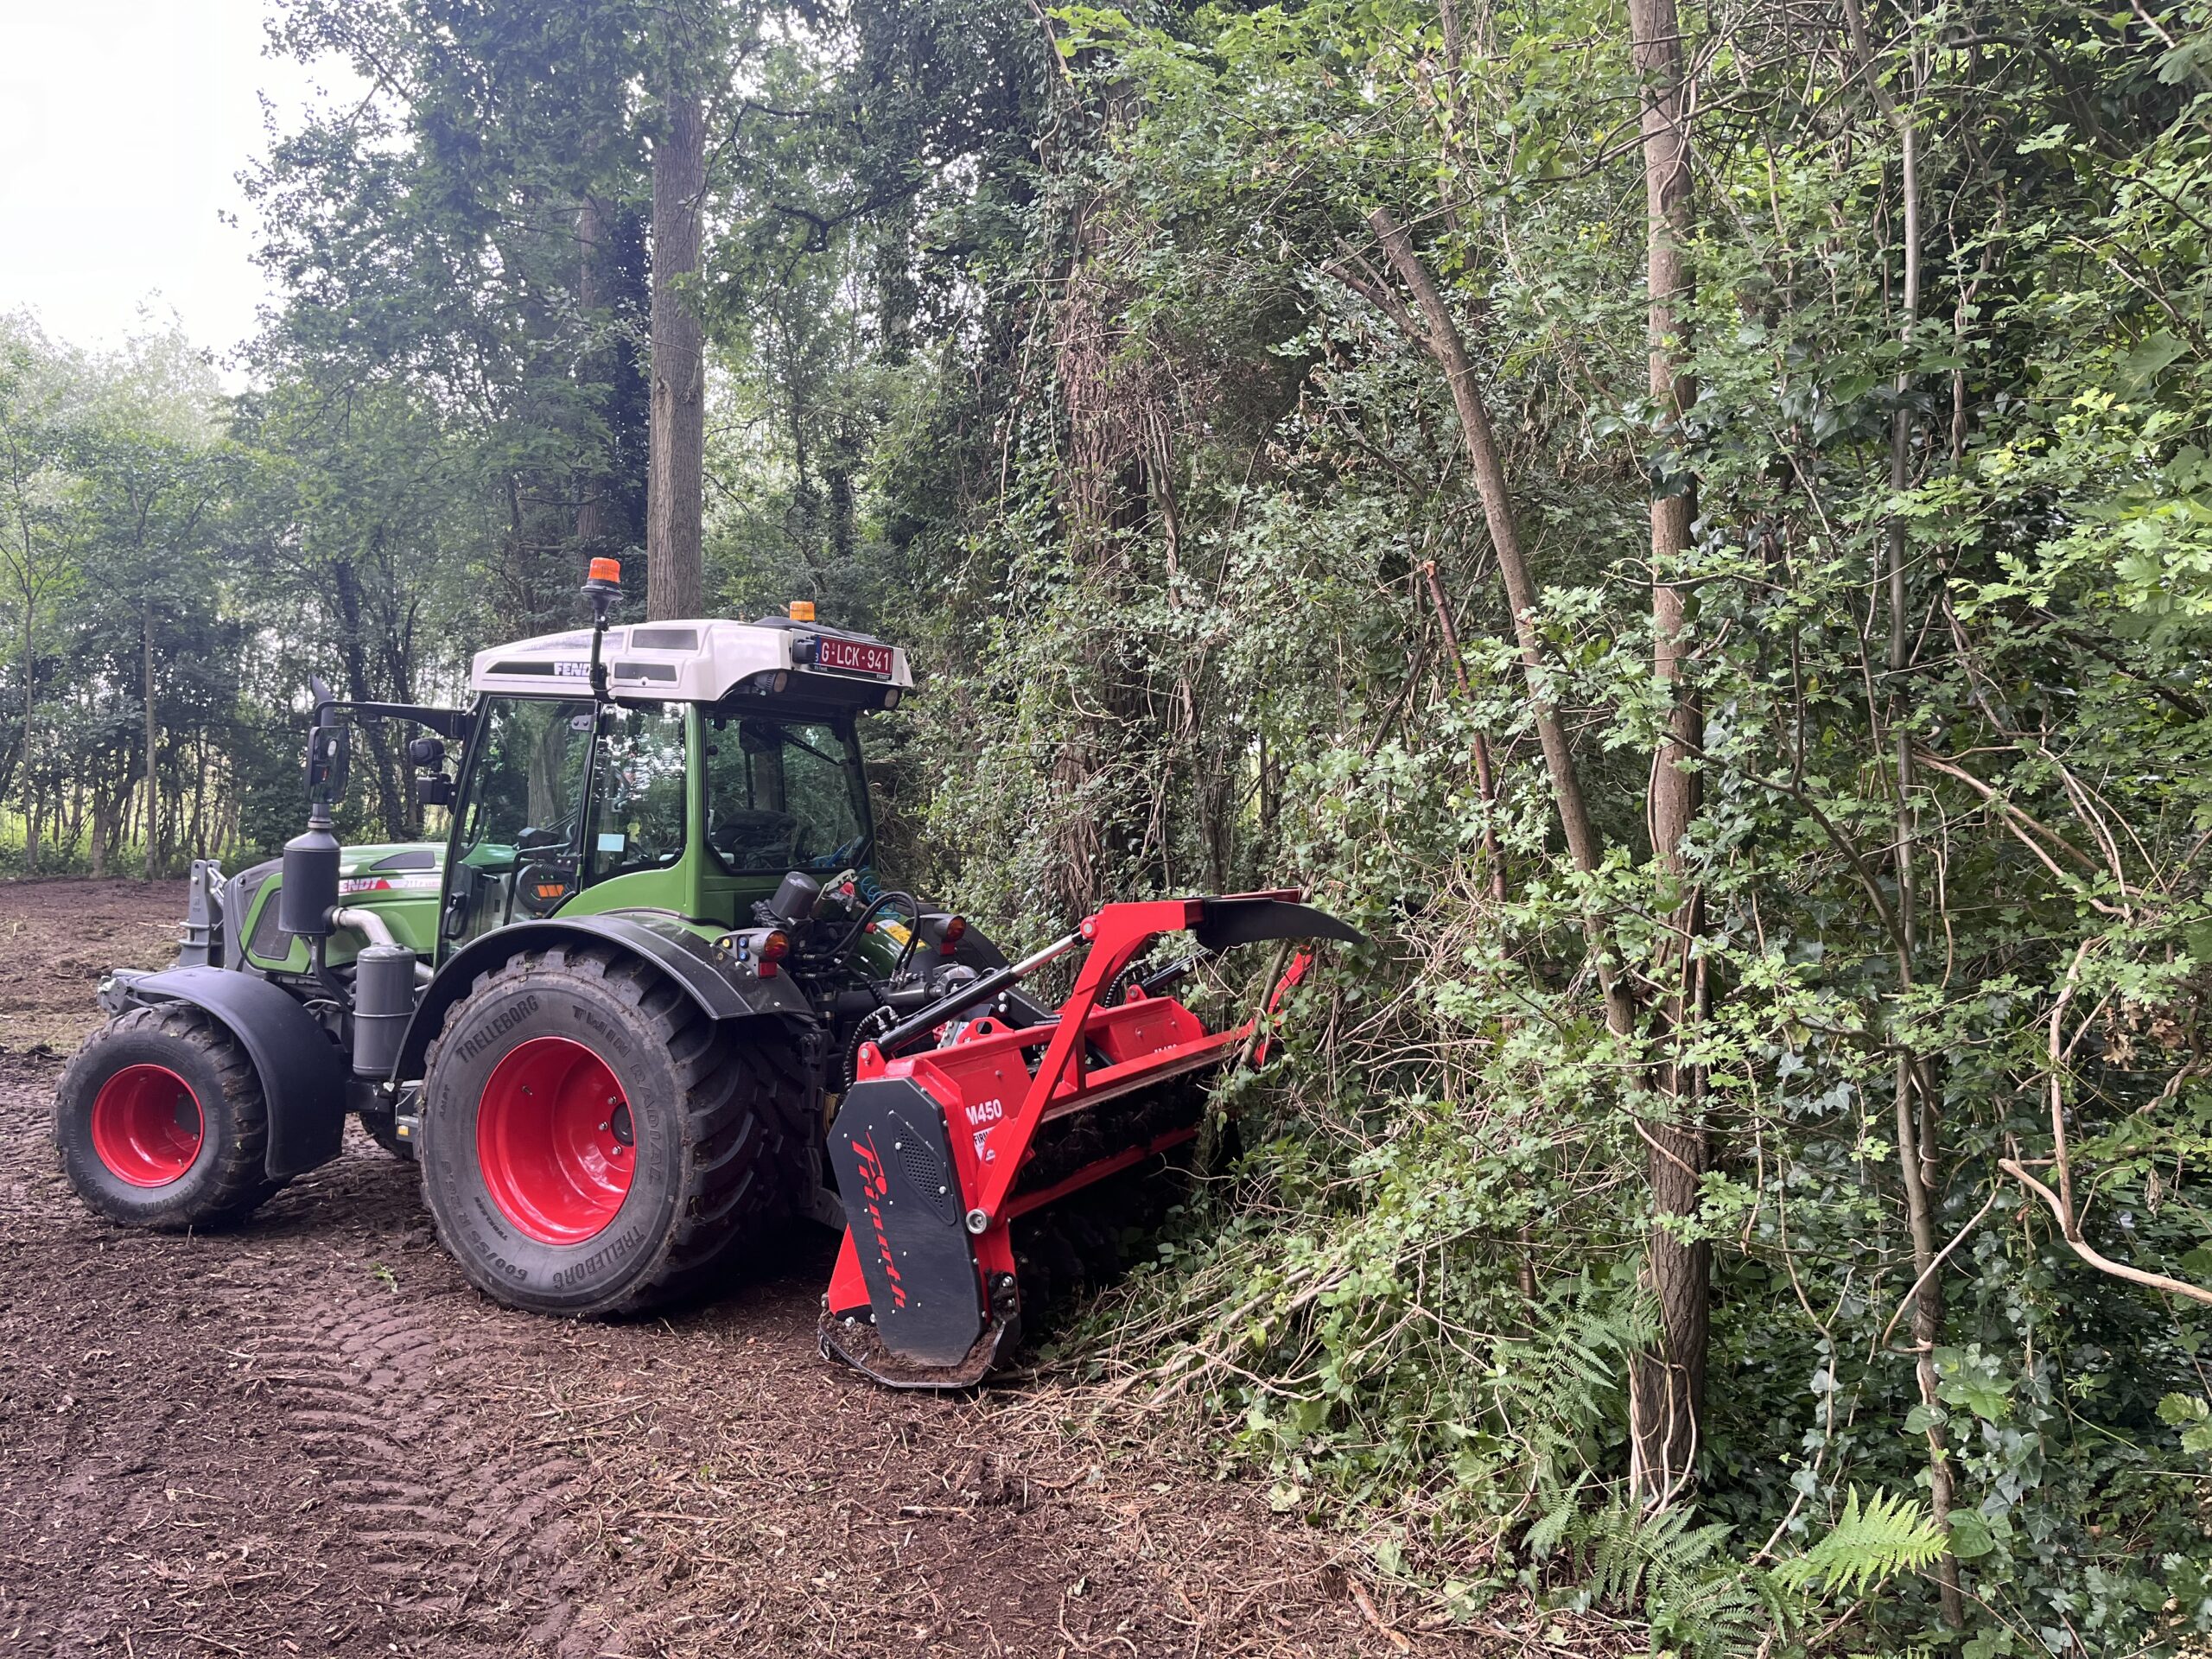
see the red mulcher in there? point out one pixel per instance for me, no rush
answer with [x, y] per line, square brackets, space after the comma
[941, 1150]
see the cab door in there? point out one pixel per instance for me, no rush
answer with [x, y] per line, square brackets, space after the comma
[518, 821]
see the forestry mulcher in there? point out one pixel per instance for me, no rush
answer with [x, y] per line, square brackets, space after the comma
[649, 997]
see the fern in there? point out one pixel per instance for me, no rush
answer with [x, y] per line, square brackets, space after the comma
[1865, 1547]
[1695, 1596]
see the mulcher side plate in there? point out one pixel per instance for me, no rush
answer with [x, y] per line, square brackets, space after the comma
[904, 1204]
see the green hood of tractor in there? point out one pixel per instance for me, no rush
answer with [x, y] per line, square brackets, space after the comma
[398, 880]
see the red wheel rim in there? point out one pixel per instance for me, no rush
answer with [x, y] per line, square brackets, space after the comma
[553, 1138]
[146, 1125]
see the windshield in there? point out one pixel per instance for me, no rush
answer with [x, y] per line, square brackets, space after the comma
[783, 794]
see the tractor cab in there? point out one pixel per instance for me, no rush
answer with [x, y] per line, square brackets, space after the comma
[724, 756]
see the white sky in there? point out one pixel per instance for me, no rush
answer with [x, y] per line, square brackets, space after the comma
[124, 125]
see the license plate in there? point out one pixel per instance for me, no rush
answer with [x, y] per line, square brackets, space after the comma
[850, 656]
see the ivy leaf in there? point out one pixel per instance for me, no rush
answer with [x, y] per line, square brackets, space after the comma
[1971, 1538]
[2149, 360]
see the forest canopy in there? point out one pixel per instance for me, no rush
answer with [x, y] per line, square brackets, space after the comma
[1693, 523]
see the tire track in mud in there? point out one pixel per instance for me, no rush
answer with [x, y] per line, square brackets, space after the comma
[473, 1533]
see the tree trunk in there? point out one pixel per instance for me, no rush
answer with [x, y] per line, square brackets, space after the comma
[31, 706]
[1918, 1145]
[1438, 332]
[1667, 1387]
[591, 237]
[391, 802]
[675, 484]
[153, 778]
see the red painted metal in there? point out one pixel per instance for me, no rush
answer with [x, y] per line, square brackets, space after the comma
[147, 1125]
[998, 1085]
[550, 1139]
[1022, 1203]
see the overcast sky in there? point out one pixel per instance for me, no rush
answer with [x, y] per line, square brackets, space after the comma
[124, 125]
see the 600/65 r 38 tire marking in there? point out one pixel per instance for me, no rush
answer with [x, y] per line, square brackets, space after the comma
[160, 1122]
[591, 1141]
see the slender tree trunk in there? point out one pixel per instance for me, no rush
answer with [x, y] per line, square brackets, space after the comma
[391, 802]
[1918, 1146]
[153, 778]
[1667, 1387]
[674, 483]
[1486, 779]
[30, 707]
[1436, 331]
[591, 237]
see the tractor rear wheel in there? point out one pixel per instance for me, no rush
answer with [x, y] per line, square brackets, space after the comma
[161, 1122]
[591, 1142]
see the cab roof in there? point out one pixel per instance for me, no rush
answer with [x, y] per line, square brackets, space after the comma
[704, 660]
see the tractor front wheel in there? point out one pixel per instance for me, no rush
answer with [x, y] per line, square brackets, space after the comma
[591, 1142]
[160, 1122]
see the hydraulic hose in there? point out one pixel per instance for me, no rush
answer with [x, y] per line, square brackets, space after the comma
[977, 990]
[913, 909]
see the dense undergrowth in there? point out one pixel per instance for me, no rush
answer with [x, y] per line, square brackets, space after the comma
[1200, 647]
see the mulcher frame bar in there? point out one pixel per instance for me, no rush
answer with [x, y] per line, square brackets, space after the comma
[1146, 1039]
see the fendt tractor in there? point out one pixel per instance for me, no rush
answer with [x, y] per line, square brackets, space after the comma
[648, 998]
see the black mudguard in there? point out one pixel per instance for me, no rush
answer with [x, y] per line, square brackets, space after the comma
[708, 978]
[303, 1072]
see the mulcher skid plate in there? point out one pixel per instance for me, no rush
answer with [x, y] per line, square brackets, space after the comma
[939, 1152]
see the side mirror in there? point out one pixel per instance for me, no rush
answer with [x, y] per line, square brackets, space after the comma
[329, 748]
[434, 788]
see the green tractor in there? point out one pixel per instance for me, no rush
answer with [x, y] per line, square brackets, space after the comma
[649, 997]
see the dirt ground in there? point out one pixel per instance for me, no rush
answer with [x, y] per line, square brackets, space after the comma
[311, 1437]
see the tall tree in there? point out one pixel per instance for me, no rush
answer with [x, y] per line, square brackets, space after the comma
[675, 492]
[1667, 1387]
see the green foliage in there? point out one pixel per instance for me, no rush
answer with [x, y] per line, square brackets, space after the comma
[1866, 1546]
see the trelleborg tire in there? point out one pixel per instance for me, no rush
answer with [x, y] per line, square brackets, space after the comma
[591, 1142]
[160, 1122]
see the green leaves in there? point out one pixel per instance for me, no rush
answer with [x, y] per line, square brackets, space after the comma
[2190, 1415]
[1865, 1547]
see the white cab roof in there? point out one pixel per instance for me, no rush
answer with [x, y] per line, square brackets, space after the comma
[699, 661]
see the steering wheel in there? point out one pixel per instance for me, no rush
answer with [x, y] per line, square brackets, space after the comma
[753, 835]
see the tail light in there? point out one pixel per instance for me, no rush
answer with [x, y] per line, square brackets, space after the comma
[773, 950]
[955, 930]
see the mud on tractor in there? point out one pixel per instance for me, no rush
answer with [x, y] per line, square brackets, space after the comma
[648, 998]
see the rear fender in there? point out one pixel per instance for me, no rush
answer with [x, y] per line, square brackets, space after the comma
[302, 1072]
[721, 989]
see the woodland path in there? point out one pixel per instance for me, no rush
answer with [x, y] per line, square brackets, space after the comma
[311, 1437]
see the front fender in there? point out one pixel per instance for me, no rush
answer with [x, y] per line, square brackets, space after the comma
[708, 978]
[302, 1072]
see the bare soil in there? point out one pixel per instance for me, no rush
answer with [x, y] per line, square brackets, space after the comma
[309, 1436]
